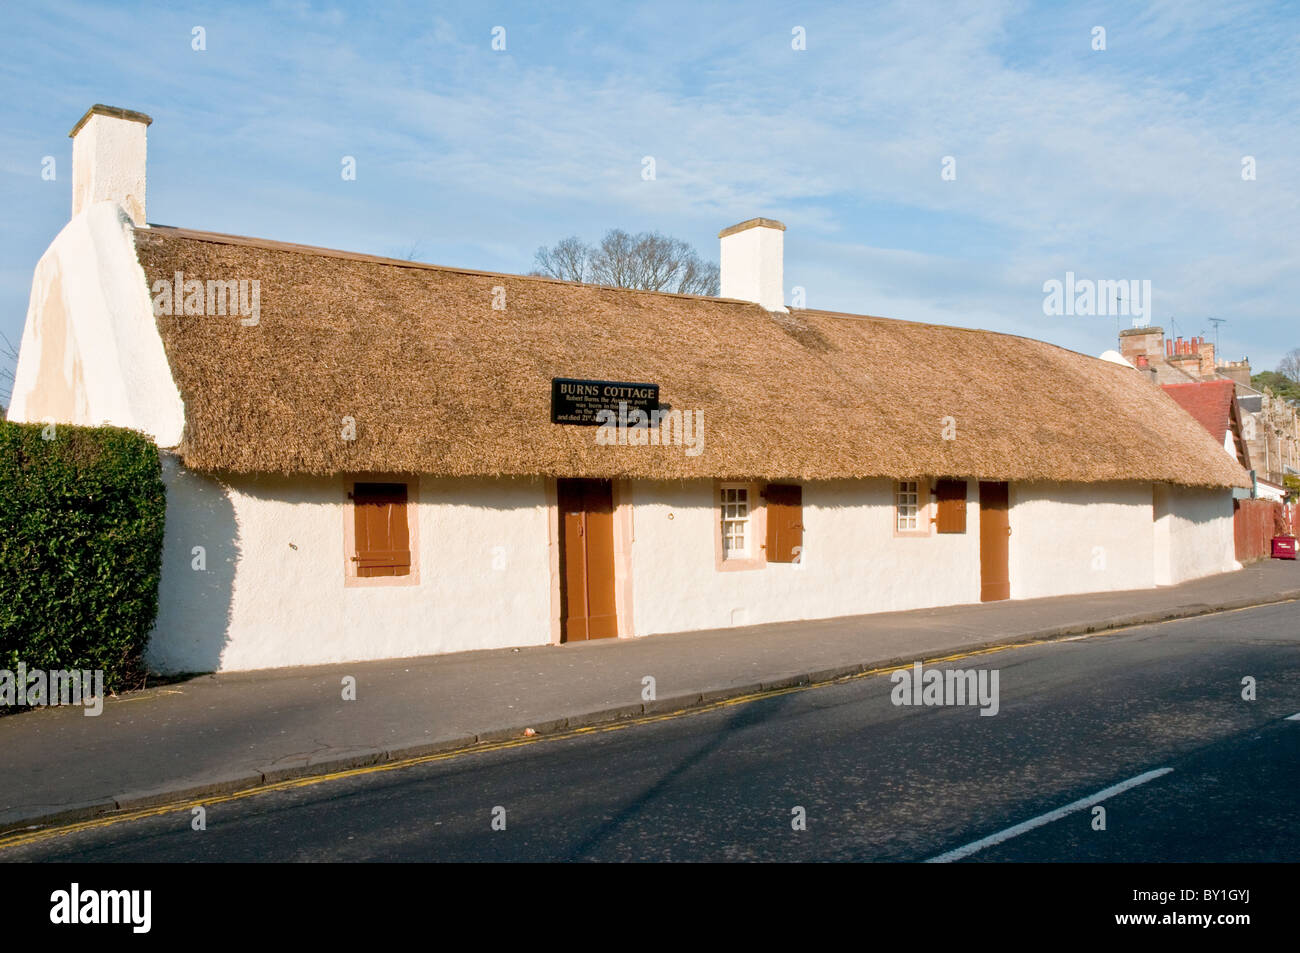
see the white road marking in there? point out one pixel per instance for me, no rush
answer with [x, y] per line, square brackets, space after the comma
[1047, 818]
[1295, 717]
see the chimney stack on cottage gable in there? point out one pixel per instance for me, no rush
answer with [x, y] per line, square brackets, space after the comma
[752, 265]
[108, 160]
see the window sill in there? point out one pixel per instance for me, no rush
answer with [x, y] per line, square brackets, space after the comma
[741, 563]
[353, 581]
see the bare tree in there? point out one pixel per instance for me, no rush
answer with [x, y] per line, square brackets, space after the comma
[1289, 366]
[614, 262]
[568, 260]
[648, 261]
[699, 277]
[8, 367]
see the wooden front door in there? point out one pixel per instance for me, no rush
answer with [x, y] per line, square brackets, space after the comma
[995, 546]
[586, 560]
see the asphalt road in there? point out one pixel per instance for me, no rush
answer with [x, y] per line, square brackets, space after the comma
[876, 781]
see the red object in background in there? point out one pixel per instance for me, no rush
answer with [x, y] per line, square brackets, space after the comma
[1284, 547]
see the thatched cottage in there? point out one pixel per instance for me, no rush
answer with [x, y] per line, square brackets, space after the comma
[365, 457]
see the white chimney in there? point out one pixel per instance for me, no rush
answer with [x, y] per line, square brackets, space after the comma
[753, 262]
[108, 152]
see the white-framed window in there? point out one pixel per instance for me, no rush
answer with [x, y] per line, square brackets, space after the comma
[735, 521]
[907, 506]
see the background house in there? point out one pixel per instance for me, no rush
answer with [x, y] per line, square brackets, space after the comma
[1270, 427]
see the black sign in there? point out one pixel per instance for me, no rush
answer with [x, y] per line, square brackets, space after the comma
[578, 402]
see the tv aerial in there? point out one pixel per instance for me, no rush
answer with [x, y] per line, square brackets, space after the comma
[1216, 322]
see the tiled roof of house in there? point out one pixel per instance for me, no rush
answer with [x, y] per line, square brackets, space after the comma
[1210, 402]
[440, 382]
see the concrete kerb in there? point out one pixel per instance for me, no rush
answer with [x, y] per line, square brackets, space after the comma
[67, 814]
[213, 787]
[716, 695]
[604, 716]
[508, 734]
[671, 703]
[426, 748]
[324, 766]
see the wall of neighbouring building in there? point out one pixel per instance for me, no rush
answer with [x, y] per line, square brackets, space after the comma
[1080, 537]
[273, 592]
[1193, 533]
[1273, 439]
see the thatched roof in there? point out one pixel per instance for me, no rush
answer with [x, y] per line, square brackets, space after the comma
[441, 383]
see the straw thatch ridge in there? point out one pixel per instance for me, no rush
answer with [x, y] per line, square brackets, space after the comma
[440, 383]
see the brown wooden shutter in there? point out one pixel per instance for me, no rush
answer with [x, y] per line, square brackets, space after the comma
[784, 522]
[382, 536]
[950, 515]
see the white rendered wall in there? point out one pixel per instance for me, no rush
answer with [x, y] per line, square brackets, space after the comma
[1193, 533]
[1080, 537]
[108, 165]
[273, 592]
[852, 561]
[91, 353]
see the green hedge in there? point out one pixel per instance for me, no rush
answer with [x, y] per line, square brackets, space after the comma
[81, 532]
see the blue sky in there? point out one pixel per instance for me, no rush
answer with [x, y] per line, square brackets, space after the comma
[1115, 164]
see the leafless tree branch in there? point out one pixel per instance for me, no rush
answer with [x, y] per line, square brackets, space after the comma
[649, 261]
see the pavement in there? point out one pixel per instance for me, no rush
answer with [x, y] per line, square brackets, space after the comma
[221, 733]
